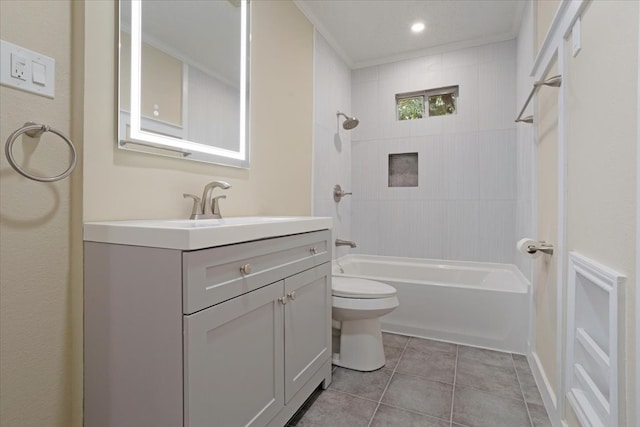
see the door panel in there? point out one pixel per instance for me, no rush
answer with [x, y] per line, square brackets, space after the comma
[235, 347]
[307, 326]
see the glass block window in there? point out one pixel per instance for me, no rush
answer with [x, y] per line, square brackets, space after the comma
[438, 102]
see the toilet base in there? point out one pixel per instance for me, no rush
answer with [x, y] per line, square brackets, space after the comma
[361, 346]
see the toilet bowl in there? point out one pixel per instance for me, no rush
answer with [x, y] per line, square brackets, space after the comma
[358, 305]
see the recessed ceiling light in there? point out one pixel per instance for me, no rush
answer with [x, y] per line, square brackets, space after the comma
[418, 27]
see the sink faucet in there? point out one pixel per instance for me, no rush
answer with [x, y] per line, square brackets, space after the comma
[207, 207]
[340, 242]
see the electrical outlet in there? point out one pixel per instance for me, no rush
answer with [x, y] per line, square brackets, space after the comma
[24, 69]
[18, 67]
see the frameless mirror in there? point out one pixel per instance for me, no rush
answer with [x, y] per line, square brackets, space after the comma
[184, 79]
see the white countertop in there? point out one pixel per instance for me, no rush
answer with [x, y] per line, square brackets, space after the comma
[188, 234]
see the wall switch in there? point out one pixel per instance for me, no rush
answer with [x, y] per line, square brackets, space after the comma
[39, 73]
[26, 70]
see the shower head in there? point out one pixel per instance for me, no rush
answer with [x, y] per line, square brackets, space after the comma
[350, 122]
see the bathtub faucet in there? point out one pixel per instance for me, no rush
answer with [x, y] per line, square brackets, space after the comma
[340, 242]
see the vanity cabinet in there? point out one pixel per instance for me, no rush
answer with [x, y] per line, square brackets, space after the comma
[236, 335]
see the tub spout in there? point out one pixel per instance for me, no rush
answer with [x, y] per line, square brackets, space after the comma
[340, 242]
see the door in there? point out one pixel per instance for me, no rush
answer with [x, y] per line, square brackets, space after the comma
[307, 326]
[234, 361]
[545, 291]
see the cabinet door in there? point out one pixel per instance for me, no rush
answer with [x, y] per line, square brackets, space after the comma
[307, 326]
[234, 361]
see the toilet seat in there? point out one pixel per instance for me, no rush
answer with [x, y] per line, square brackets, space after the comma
[354, 287]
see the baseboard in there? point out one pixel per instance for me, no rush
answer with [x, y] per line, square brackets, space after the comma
[549, 397]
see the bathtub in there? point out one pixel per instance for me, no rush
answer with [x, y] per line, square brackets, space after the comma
[478, 304]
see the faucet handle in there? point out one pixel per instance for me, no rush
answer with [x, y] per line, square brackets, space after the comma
[215, 206]
[197, 205]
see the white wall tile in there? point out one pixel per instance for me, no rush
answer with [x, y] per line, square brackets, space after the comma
[497, 238]
[433, 170]
[365, 226]
[467, 183]
[367, 74]
[425, 64]
[460, 58]
[462, 166]
[503, 51]
[365, 108]
[332, 144]
[463, 230]
[466, 117]
[366, 178]
[496, 82]
[430, 230]
[498, 164]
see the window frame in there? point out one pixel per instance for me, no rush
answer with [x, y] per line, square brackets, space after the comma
[425, 94]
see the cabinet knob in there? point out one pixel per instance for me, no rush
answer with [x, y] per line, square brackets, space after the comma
[245, 269]
[313, 250]
[292, 295]
[283, 300]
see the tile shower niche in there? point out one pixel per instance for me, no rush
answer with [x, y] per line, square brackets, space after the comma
[403, 170]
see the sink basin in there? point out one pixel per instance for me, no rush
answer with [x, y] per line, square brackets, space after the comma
[191, 223]
[190, 234]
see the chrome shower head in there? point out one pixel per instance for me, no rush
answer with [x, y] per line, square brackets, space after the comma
[350, 122]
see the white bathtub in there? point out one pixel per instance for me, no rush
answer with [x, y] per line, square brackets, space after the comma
[478, 304]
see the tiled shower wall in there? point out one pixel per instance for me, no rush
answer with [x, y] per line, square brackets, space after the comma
[464, 207]
[332, 144]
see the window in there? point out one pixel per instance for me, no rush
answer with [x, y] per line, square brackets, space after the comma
[411, 107]
[438, 102]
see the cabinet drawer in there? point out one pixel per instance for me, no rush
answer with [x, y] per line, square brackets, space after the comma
[211, 276]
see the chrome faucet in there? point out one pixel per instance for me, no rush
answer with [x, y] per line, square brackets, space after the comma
[207, 207]
[340, 242]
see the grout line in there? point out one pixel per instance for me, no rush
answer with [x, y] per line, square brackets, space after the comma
[453, 391]
[513, 362]
[354, 395]
[389, 381]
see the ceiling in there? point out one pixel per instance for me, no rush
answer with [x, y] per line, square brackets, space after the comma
[371, 32]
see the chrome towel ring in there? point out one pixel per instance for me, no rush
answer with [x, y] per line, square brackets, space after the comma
[34, 130]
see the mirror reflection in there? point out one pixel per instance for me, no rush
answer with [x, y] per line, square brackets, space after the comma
[184, 79]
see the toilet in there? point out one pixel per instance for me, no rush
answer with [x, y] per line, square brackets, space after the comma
[357, 307]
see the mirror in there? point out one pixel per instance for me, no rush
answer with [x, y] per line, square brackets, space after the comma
[184, 79]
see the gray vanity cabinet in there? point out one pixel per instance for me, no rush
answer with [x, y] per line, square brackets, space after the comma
[197, 338]
[237, 347]
[307, 331]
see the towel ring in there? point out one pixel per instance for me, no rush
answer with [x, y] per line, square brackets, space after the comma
[34, 130]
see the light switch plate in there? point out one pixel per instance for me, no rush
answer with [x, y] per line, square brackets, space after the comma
[27, 70]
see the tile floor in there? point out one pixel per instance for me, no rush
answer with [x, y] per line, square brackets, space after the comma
[429, 383]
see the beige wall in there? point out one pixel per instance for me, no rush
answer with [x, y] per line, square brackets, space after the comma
[35, 310]
[41, 270]
[545, 11]
[602, 119]
[125, 185]
[601, 147]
